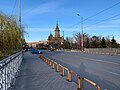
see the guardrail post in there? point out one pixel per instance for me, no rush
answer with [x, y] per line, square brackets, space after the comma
[79, 83]
[98, 87]
[53, 66]
[45, 60]
[69, 75]
[62, 71]
[57, 68]
[82, 85]
[50, 62]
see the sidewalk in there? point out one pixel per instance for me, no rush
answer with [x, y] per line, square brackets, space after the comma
[37, 75]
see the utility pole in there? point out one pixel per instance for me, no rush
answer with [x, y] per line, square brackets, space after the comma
[82, 41]
[82, 37]
[19, 14]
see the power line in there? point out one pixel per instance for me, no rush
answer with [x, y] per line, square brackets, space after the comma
[99, 13]
[14, 6]
[103, 20]
[102, 11]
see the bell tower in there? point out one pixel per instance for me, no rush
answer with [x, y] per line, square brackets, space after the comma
[57, 31]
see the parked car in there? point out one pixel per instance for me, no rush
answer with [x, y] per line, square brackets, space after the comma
[36, 51]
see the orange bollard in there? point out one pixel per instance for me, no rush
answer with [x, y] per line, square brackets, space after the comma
[82, 85]
[53, 66]
[46, 60]
[62, 71]
[69, 75]
[57, 68]
[79, 88]
[50, 62]
[98, 87]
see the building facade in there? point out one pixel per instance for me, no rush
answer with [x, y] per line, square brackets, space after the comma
[39, 45]
[57, 40]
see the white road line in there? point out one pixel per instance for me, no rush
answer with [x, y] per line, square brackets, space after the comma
[115, 73]
[98, 60]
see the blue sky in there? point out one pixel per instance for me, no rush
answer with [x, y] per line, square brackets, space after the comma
[40, 17]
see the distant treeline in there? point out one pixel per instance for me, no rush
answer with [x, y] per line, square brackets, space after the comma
[90, 42]
[11, 35]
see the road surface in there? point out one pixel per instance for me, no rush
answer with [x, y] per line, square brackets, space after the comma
[102, 69]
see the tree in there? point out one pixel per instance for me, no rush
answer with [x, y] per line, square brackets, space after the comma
[95, 43]
[11, 36]
[67, 44]
[86, 40]
[78, 38]
[87, 44]
[108, 42]
[103, 43]
[114, 43]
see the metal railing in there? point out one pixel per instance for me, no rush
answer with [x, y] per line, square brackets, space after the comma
[60, 68]
[111, 51]
[8, 70]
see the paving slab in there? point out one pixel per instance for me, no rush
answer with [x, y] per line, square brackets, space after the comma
[37, 75]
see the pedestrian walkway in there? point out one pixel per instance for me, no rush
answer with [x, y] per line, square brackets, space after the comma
[37, 75]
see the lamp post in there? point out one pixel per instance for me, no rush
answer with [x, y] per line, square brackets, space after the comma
[63, 41]
[82, 38]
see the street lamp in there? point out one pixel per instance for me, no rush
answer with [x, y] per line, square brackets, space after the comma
[82, 43]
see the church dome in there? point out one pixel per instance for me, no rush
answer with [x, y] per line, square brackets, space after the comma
[50, 36]
[57, 28]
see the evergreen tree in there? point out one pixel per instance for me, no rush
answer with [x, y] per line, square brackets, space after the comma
[67, 44]
[95, 43]
[103, 43]
[114, 43]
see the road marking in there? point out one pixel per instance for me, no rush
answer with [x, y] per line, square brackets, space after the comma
[98, 60]
[115, 73]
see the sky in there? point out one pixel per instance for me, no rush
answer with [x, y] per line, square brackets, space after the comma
[40, 17]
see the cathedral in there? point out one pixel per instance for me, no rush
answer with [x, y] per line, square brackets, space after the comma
[57, 40]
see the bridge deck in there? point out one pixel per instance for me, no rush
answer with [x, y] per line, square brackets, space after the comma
[37, 75]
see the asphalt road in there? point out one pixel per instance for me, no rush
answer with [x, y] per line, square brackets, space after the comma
[102, 69]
